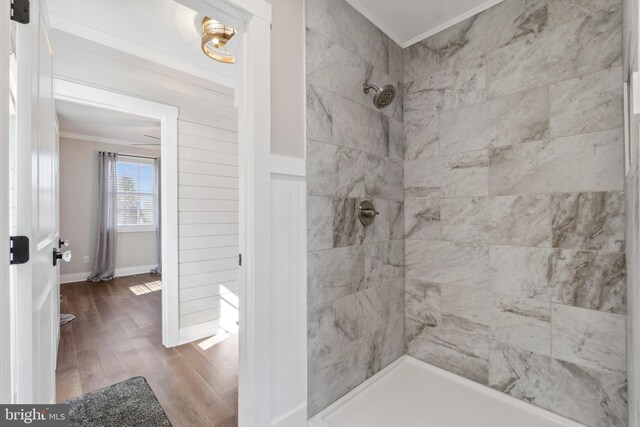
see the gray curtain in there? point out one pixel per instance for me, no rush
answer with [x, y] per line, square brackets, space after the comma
[158, 269]
[104, 258]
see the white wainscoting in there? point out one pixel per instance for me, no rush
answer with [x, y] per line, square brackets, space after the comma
[289, 297]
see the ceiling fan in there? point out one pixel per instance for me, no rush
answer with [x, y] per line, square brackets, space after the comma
[150, 143]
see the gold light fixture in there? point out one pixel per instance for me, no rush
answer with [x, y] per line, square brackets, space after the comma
[214, 37]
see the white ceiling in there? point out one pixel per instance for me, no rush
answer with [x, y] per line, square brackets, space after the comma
[162, 31]
[409, 21]
[94, 124]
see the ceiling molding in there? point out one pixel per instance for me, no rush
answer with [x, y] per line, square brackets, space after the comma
[123, 45]
[375, 21]
[450, 23]
[103, 140]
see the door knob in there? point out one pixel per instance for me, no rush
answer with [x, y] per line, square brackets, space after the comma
[64, 256]
[62, 243]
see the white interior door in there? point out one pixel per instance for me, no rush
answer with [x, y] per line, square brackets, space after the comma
[36, 287]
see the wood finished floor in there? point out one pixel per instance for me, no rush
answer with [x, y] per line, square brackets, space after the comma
[117, 335]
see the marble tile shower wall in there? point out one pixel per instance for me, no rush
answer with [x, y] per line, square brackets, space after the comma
[354, 152]
[514, 204]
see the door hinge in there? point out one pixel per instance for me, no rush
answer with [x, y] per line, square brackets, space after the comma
[240, 260]
[20, 11]
[19, 250]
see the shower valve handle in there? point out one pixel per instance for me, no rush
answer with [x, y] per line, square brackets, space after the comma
[369, 213]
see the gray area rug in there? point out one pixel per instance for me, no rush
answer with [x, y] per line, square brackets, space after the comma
[127, 403]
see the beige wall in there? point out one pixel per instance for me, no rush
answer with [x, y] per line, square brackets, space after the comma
[287, 78]
[79, 209]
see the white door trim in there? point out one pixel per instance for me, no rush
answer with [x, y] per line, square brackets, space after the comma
[168, 117]
[252, 20]
[5, 300]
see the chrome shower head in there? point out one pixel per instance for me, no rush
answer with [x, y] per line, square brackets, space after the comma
[383, 97]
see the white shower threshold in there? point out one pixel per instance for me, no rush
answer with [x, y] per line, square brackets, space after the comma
[411, 393]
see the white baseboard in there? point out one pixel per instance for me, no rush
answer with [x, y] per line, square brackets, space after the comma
[198, 332]
[294, 418]
[120, 272]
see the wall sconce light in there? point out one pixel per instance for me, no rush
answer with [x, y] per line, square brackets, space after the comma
[214, 37]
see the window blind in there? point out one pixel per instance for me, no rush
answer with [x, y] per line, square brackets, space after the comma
[136, 192]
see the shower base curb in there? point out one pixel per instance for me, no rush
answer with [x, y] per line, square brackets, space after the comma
[402, 394]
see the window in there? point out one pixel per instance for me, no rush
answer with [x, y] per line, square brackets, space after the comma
[136, 194]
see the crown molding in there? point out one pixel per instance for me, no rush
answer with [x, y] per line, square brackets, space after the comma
[435, 30]
[450, 23]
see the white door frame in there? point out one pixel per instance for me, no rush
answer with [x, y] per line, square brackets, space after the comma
[5, 300]
[252, 18]
[168, 117]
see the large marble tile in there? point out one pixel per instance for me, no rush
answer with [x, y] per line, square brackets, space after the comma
[388, 225]
[592, 280]
[575, 49]
[318, 17]
[337, 373]
[334, 171]
[396, 62]
[422, 302]
[333, 223]
[396, 139]
[594, 397]
[389, 340]
[447, 263]
[509, 120]
[588, 337]
[334, 324]
[445, 90]
[589, 221]
[455, 344]
[352, 123]
[498, 26]
[520, 272]
[351, 31]
[587, 104]
[473, 303]
[523, 323]
[465, 219]
[323, 336]
[383, 178]
[422, 219]
[520, 220]
[632, 249]
[334, 273]
[588, 162]
[564, 11]
[421, 136]
[319, 114]
[424, 178]
[320, 214]
[334, 68]
[466, 174]
[384, 263]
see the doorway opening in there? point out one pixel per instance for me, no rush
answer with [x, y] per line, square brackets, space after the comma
[29, 340]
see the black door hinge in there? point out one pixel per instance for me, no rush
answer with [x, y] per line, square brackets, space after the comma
[240, 260]
[20, 11]
[19, 249]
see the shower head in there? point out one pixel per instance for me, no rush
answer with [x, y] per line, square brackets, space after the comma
[383, 97]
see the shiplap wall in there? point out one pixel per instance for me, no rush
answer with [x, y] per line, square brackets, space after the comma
[207, 170]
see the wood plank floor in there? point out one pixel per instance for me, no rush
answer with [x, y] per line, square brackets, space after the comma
[117, 335]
